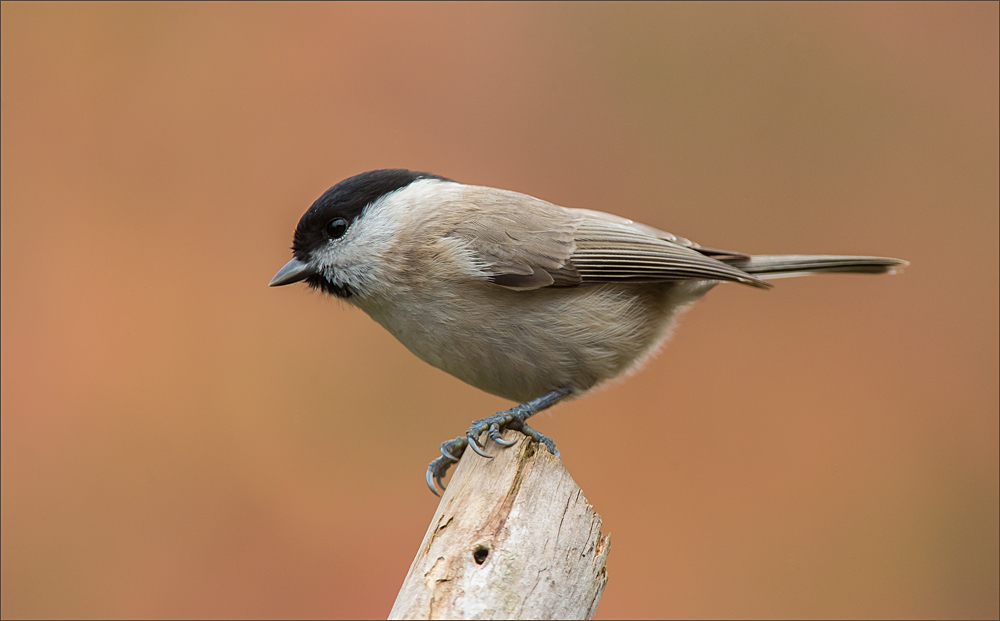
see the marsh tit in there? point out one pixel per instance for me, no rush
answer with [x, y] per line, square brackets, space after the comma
[519, 297]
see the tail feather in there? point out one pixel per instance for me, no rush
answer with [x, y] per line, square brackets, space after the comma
[785, 265]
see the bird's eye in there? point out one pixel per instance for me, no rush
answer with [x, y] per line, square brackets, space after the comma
[336, 228]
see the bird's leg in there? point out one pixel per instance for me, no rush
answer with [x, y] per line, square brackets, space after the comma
[514, 418]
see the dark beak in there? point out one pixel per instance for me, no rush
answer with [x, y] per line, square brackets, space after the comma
[294, 271]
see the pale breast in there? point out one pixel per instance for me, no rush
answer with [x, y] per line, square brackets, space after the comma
[521, 344]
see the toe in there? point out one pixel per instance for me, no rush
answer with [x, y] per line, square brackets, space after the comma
[475, 446]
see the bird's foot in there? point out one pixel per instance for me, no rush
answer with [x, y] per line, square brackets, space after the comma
[452, 450]
[514, 418]
[495, 425]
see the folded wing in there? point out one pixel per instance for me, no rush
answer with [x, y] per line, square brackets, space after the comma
[538, 244]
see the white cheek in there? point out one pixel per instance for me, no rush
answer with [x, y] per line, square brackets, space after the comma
[357, 259]
[364, 258]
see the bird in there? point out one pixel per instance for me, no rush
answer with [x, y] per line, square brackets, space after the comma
[519, 297]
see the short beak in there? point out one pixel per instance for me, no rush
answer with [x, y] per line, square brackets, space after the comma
[294, 271]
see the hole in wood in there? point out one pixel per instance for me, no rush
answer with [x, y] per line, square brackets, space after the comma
[480, 553]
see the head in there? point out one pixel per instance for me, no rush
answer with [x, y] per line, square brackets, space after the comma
[333, 238]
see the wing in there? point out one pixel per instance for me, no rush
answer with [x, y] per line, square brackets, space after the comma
[525, 243]
[516, 241]
[613, 249]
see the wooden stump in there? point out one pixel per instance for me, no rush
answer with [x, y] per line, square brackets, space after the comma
[512, 538]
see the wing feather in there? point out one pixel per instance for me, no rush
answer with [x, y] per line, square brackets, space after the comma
[525, 243]
[610, 251]
[519, 241]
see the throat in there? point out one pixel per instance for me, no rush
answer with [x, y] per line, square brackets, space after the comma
[324, 285]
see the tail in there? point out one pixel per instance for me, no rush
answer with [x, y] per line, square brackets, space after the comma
[786, 265]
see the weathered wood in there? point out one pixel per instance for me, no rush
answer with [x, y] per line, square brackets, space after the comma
[512, 538]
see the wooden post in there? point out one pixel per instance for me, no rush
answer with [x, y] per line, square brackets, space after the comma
[512, 538]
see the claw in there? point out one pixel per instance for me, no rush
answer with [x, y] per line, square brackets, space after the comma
[440, 482]
[474, 445]
[448, 455]
[503, 442]
[430, 481]
[496, 437]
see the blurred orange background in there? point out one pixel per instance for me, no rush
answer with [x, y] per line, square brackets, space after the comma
[180, 440]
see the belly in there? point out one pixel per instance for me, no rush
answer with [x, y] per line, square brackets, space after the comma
[522, 344]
